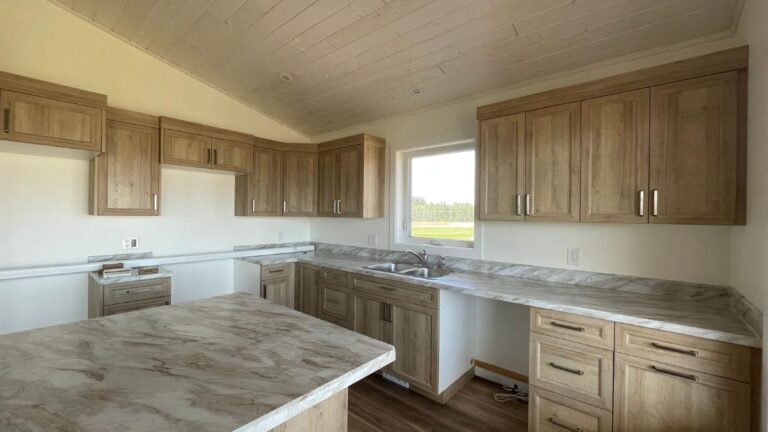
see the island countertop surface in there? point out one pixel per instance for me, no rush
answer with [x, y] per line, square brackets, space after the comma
[234, 362]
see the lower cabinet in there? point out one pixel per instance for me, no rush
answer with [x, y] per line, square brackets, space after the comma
[309, 289]
[414, 336]
[336, 304]
[550, 412]
[108, 297]
[277, 284]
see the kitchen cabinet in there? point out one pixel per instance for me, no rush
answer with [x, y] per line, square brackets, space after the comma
[49, 114]
[614, 158]
[299, 183]
[199, 146]
[552, 163]
[371, 317]
[309, 289]
[125, 179]
[501, 168]
[277, 284]
[695, 151]
[336, 304]
[351, 177]
[109, 297]
[414, 336]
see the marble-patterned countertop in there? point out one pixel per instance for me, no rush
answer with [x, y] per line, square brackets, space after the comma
[705, 314]
[133, 277]
[234, 362]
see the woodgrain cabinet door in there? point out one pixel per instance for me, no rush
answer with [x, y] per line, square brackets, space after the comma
[694, 150]
[414, 336]
[127, 174]
[501, 168]
[351, 181]
[652, 396]
[309, 290]
[552, 163]
[299, 184]
[614, 158]
[231, 156]
[186, 149]
[277, 291]
[336, 304]
[266, 183]
[40, 120]
[370, 317]
[328, 182]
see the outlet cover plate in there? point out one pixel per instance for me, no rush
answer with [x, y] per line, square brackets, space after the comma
[573, 257]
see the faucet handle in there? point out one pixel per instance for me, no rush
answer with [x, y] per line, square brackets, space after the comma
[441, 262]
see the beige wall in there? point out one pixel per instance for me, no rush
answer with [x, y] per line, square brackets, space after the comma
[690, 253]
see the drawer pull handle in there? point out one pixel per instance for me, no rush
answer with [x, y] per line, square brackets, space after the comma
[693, 353]
[677, 374]
[7, 120]
[567, 326]
[566, 369]
[557, 422]
[137, 290]
[275, 271]
[386, 288]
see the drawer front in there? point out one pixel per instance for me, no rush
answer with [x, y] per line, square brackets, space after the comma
[275, 271]
[577, 328]
[550, 412]
[336, 302]
[134, 291]
[571, 369]
[704, 355]
[409, 293]
[337, 277]
[136, 305]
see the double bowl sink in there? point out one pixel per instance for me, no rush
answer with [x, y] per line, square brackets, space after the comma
[411, 270]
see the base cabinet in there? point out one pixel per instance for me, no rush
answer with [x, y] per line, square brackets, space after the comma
[277, 284]
[414, 336]
[550, 412]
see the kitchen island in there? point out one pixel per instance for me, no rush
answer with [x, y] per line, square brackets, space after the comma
[234, 362]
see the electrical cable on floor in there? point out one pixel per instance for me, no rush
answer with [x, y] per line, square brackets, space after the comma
[515, 394]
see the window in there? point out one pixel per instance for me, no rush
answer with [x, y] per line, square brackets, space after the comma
[439, 196]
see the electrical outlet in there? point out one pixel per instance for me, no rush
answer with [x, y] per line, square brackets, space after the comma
[573, 256]
[280, 236]
[130, 243]
[372, 239]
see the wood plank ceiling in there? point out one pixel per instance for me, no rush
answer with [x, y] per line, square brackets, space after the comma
[354, 61]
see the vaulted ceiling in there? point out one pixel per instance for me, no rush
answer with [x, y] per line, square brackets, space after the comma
[323, 65]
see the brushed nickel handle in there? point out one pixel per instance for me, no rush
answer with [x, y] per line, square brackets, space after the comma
[155, 202]
[567, 326]
[519, 204]
[566, 369]
[655, 202]
[689, 377]
[137, 290]
[275, 271]
[340, 212]
[642, 203]
[7, 120]
[253, 206]
[557, 422]
[335, 211]
[285, 206]
[386, 288]
[528, 209]
[692, 353]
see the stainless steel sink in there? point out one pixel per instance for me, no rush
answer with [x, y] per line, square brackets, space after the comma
[410, 270]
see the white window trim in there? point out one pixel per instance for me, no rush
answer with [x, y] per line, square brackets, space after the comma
[402, 208]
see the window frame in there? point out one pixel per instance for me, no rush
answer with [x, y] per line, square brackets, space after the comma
[403, 223]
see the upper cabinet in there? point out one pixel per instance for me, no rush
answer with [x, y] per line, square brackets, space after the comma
[39, 112]
[695, 153]
[351, 177]
[125, 179]
[299, 183]
[614, 158]
[195, 145]
[662, 145]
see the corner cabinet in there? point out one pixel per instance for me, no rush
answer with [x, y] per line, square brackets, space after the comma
[351, 177]
[125, 179]
[666, 145]
[199, 146]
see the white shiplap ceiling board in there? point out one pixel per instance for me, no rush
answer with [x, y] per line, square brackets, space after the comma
[354, 61]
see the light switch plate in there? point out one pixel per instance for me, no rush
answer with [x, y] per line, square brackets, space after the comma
[130, 243]
[573, 257]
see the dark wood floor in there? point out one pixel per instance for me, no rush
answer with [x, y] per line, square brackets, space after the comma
[376, 404]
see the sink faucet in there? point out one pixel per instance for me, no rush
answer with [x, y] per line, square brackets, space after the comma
[421, 256]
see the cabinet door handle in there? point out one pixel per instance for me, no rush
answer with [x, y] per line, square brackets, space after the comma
[209, 157]
[557, 422]
[528, 209]
[655, 202]
[389, 312]
[642, 203]
[285, 206]
[566, 369]
[7, 120]
[692, 353]
[383, 311]
[155, 204]
[519, 204]
[253, 206]
[567, 326]
[689, 377]
[386, 288]
[215, 156]
[340, 212]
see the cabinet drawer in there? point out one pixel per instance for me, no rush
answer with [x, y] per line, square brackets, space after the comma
[136, 305]
[572, 369]
[337, 277]
[713, 357]
[336, 303]
[139, 290]
[275, 271]
[577, 328]
[550, 412]
[409, 293]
